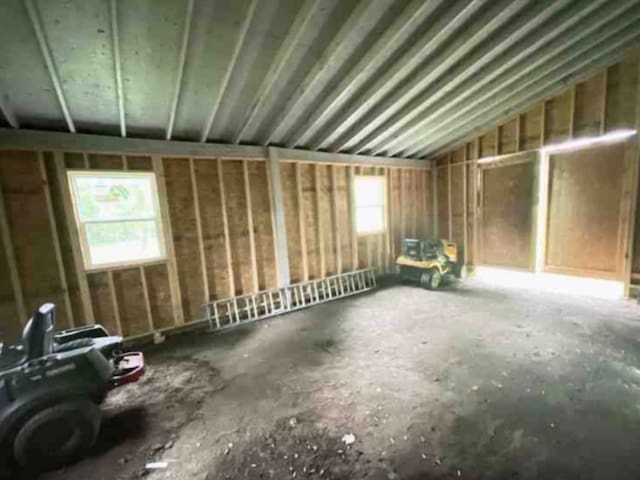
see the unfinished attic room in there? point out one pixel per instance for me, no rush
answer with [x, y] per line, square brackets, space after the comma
[324, 239]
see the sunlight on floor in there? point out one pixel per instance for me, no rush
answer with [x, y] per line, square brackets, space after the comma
[552, 282]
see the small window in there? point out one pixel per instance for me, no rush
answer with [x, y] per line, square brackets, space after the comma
[117, 216]
[369, 193]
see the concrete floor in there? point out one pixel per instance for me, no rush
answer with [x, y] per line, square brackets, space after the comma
[474, 381]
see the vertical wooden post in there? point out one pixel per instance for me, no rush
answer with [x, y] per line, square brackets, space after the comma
[196, 208]
[278, 220]
[336, 218]
[252, 234]
[56, 239]
[414, 201]
[225, 227]
[352, 209]
[634, 150]
[87, 162]
[114, 302]
[425, 200]
[498, 140]
[147, 302]
[74, 237]
[174, 284]
[125, 163]
[518, 132]
[449, 203]
[320, 223]
[9, 252]
[301, 219]
[476, 201]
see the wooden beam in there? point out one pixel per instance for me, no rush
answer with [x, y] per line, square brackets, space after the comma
[301, 220]
[9, 252]
[319, 223]
[86, 160]
[278, 219]
[355, 261]
[145, 295]
[114, 302]
[425, 203]
[295, 155]
[57, 251]
[252, 234]
[603, 103]
[125, 163]
[498, 140]
[196, 208]
[414, 201]
[74, 238]
[336, 219]
[174, 283]
[225, 228]
[476, 203]
[449, 203]
[518, 132]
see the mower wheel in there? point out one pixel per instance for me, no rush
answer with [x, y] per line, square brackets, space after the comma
[58, 434]
[431, 279]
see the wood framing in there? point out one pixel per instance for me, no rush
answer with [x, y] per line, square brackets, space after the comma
[465, 213]
[278, 223]
[225, 229]
[174, 283]
[62, 275]
[388, 220]
[74, 236]
[252, 236]
[196, 208]
[449, 203]
[303, 236]
[11, 261]
[603, 104]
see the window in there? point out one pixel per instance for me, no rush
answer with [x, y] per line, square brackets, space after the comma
[118, 217]
[369, 193]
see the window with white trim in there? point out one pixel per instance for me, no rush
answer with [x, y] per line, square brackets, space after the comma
[118, 217]
[370, 204]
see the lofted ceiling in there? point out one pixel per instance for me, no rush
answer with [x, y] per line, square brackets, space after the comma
[397, 78]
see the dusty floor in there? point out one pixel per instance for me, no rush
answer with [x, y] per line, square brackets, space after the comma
[474, 381]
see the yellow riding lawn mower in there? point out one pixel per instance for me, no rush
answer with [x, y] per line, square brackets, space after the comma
[428, 262]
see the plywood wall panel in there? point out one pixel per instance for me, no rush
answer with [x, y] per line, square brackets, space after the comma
[507, 215]
[508, 137]
[443, 201]
[185, 236]
[585, 207]
[133, 312]
[141, 163]
[206, 172]
[622, 83]
[308, 185]
[233, 177]
[457, 203]
[558, 118]
[30, 229]
[291, 217]
[102, 302]
[263, 228]
[488, 144]
[105, 162]
[159, 290]
[588, 106]
[326, 216]
[531, 128]
[10, 323]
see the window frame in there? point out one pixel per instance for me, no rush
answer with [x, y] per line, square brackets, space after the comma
[383, 205]
[81, 226]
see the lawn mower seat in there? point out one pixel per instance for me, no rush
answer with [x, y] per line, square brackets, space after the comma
[37, 336]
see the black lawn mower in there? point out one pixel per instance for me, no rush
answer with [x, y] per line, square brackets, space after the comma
[51, 387]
